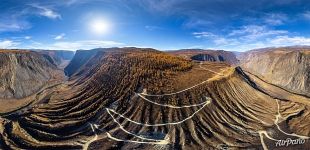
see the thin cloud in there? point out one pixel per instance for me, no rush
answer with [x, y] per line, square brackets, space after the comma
[306, 15]
[204, 35]
[46, 12]
[275, 19]
[60, 36]
[11, 25]
[226, 41]
[17, 19]
[295, 40]
[152, 28]
[214, 13]
[27, 37]
[245, 34]
[250, 36]
[5, 44]
[253, 32]
[84, 44]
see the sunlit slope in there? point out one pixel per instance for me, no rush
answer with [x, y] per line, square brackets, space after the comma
[134, 98]
[288, 68]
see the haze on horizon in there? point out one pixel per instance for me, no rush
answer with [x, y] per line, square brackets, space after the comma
[236, 25]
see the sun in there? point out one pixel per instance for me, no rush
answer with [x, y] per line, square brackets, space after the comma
[99, 26]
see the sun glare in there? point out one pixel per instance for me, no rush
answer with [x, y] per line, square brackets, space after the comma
[99, 26]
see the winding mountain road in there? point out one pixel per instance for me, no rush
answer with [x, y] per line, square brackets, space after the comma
[160, 124]
[209, 69]
[171, 106]
[135, 135]
[276, 123]
[85, 146]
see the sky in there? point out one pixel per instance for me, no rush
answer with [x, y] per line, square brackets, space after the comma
[236, 25]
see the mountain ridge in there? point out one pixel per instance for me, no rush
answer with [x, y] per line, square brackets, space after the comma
[130, 98]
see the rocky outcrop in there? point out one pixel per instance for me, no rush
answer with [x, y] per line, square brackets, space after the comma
[24, 72]
[207, 55]
[288, 68]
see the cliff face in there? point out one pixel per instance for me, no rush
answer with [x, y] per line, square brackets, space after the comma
[80, 58]
[61, 58]
[23, 72]
[287, 68]
[207, 55]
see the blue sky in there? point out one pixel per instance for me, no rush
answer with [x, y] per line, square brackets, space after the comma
[237, 25]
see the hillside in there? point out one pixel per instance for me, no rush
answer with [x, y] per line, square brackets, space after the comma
[24, 72]
[288, 67]
[130, 98]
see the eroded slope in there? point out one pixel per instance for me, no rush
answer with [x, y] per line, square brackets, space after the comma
[24, 72]
[288, 68]
[145, 99]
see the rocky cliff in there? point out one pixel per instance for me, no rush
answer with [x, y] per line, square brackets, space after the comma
[288, 68]
[80, 58]
[24, 72]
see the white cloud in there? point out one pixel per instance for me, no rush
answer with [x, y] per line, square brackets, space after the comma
[253, 32]
[18, 20]
[8, 44]
[275, 41]
[12, 25]
[221, 41]
[275, 19]
[71, 2]
[306, 15]
[286, 40]
[47, 12]
[60, 36]
[86, 44]
[245, 34]
[159, 6]
[151, 28]
[68, 45]
[195, 47]
[196, 22]
[27, 37]
[204, 35]
[251, 37]
[216, 39]
[226, 41]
